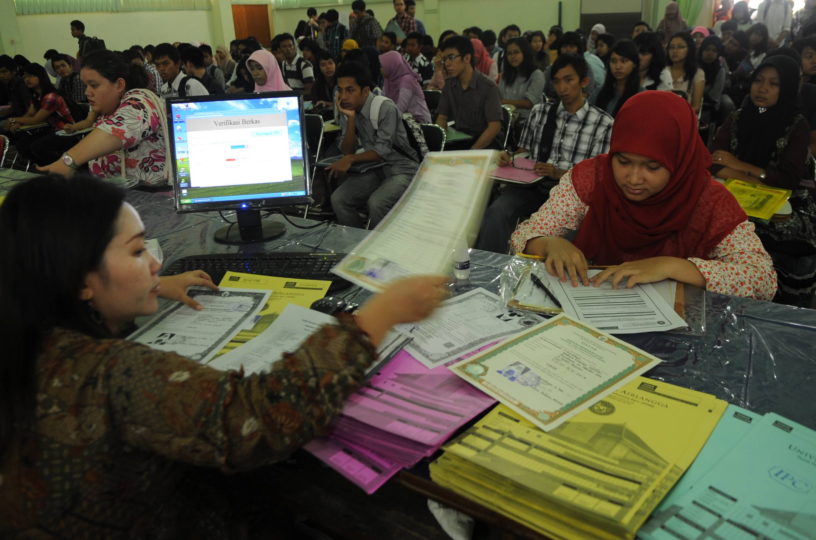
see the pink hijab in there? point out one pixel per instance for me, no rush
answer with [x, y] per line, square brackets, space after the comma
[274, 79]
[396, 74]
[483, 60]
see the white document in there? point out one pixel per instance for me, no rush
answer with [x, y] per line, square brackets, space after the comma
[286, 334]
[199, 335]
[292, 327]
[618, 311]
[554, 370]
[444, 203]
[463, 324]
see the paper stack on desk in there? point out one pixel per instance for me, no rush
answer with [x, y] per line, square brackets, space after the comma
[403, 414]
[755, 478]
[599, 475]
[409, 408]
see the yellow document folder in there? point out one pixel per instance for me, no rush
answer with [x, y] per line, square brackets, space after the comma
[758, 200]
[598, 475]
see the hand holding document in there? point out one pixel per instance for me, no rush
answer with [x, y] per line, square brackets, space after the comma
[199, 335]
[521, 172]
[443, 204]
[554, 370]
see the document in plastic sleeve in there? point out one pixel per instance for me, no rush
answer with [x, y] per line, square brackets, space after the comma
[199, 335]
[443, 204]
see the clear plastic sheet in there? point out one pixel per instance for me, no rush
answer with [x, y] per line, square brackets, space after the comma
[693, 297]
[754, 354]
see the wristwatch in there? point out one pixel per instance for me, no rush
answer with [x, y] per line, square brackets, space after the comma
[69, 161]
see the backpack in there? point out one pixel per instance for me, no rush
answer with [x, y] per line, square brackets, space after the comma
[182, 88]
[412, 129]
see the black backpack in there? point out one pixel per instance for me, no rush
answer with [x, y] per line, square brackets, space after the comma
[182, 89]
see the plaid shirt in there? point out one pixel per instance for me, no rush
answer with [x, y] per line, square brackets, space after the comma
[578, 136]
[73, 87]
[54, 103]
[406, 22]
[421, 66]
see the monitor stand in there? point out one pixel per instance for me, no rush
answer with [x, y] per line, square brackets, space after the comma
[250, 228]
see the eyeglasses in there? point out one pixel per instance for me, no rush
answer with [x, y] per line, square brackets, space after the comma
[677, 47]
[451, 57]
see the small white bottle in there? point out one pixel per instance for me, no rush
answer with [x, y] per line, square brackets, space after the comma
[461, 260]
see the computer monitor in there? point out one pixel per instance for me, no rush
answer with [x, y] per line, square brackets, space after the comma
[242, 152]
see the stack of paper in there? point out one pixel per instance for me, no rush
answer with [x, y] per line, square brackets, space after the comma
[402, 414]
[598, 475]
[755, 478]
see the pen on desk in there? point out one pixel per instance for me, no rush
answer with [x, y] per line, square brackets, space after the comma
[538, 283]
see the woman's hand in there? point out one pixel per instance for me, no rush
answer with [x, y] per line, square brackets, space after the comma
[505, 159]
[175, 287]
[58, 167]
[725, 159]
[651, 270]
[407, 300]
[70, 128]
[562, 258]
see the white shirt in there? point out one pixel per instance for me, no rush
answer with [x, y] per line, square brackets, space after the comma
[193, 87]
[779, 16]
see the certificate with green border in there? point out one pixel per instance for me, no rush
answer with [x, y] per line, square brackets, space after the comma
[555, 370]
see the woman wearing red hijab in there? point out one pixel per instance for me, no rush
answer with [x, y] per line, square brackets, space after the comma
[650, 210]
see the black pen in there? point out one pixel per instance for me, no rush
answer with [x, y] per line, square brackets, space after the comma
[538, 283]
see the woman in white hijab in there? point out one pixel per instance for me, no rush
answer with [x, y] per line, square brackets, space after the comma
[596, 31]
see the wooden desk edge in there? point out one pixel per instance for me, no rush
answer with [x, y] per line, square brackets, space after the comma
[459, 502]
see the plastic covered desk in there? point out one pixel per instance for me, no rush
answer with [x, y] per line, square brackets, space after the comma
[757, 355]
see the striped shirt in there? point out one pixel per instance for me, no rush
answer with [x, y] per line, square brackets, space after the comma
[578, 136]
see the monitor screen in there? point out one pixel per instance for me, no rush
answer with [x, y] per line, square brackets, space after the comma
[238, 152]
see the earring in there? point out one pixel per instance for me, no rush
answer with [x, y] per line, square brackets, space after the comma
[94, 314]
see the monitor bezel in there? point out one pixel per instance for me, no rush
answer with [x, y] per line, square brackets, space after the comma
[249, 204]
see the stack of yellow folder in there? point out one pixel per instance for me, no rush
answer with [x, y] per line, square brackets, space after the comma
[598, 475]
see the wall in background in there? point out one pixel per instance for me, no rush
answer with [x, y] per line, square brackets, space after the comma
[119, 30]
[439, 15]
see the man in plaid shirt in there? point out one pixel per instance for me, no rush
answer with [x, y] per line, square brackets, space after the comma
[578, 131]
[70, 85]
[363, 28]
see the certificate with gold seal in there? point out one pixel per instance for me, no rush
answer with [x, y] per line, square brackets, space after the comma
[555, 369]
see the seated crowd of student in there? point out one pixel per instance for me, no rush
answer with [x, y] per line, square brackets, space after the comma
[612, 125]
[565, 90]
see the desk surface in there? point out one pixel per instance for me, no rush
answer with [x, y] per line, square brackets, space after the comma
[757, 355]
[754, 354]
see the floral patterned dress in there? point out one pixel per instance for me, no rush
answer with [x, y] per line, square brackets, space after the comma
[138, 123]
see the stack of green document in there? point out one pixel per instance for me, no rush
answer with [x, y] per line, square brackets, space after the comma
[598, 475]
[755, 478]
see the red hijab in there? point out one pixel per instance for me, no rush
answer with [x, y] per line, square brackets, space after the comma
[688, 218]
[483, 60]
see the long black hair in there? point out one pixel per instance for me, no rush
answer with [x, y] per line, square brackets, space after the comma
[690, 63]
[626, 49]
[46, 86]
[53, 233]
[762, 30]
[712, 69]
[527, 66]
[542, 57]
[649, 43]
[323, 88]
[114, 66]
